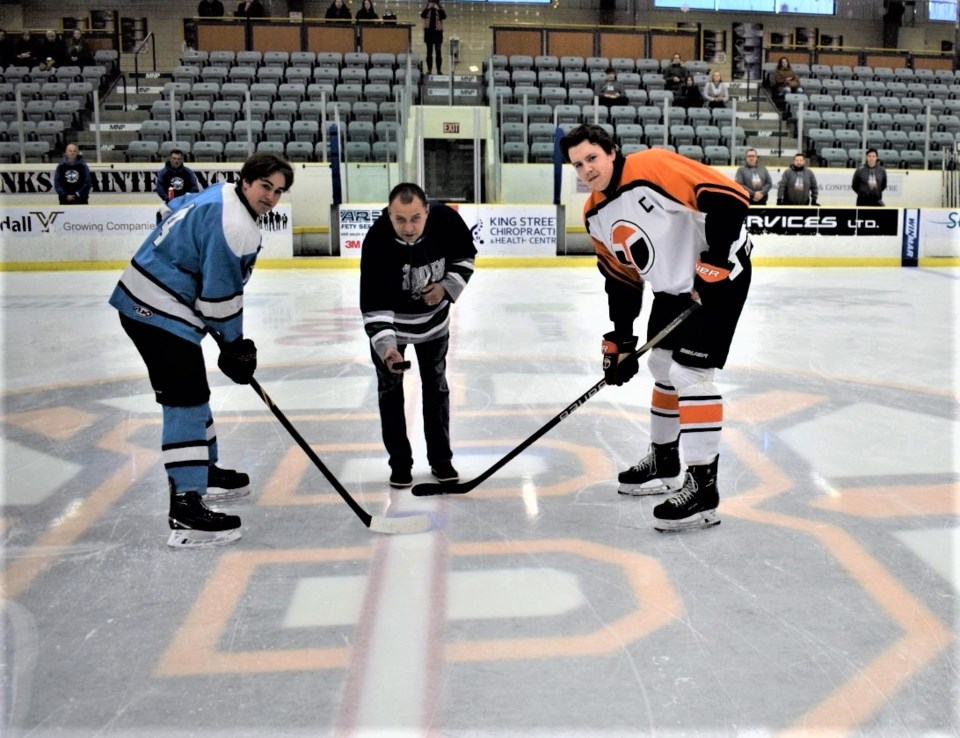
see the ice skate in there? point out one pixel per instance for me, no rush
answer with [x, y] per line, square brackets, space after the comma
[695, 506]
[226, 484]
[194, 525]
[656, 473]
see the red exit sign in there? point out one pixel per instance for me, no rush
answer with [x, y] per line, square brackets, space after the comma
[451, 128]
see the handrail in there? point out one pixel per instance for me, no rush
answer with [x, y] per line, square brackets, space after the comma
[136, 55]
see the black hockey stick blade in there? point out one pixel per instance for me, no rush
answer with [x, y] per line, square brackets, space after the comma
[427, 489]
[414, 523]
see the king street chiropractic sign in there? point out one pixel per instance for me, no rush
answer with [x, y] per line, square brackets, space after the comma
[498, 230]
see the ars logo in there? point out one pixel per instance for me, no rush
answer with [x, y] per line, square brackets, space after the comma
[631, 245]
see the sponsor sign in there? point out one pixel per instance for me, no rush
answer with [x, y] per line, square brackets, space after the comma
[910, 252]
[107, 233]
[823, 221]
[355, 221]
[39, 182]
[940, 232]
[498, 230]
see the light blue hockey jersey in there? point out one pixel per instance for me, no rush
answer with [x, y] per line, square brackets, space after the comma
[188, 276]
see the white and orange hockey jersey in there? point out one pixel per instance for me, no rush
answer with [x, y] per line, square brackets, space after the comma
[666, 210]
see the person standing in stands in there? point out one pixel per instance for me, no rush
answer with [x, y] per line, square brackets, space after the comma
[366, 12]
[72, 180]
[798, 185]
[338, 10]
[250, 9]
[869, 181]
[433, 17]
[175, 178]
[755, 178]
[210, 9]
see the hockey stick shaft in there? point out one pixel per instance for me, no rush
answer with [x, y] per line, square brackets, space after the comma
[567, 411]
[364, 516]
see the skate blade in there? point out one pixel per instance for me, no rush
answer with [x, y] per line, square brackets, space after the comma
[653, 487]
[706, 519]
[182, 538]
[219, 494]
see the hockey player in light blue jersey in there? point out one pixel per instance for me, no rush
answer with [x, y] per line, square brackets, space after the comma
[184, 281]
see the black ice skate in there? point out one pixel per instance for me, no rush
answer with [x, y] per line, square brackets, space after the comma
[194, 525]
[226, 484]
[695, 506]
[656, 473]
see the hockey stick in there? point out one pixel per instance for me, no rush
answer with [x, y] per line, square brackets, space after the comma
[440, 488]
[377, 523]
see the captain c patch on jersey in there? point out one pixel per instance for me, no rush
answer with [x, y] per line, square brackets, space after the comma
[631, 245]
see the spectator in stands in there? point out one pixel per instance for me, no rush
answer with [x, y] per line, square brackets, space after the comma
[785, 79]
[25, 51]
[366, 12]
[689, 95]
[77, 51]
[609, 90]
[798, 185]
[175, 178]
[716, 92]
[6, 50]
[869, 181]
[892, 20]
[72, 180]
[674, 74]
[754, 178]
[433, 17]
[50, 48]
[338, 10]
[210, 9]
[250, 9]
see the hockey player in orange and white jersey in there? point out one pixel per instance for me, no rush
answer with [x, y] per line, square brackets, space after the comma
[658, 217]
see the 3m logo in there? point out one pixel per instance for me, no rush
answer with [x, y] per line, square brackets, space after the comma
[351, 243]
[631, 245]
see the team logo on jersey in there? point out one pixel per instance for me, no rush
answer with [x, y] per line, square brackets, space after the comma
[72, 176]
[632, 246]
[143, 312]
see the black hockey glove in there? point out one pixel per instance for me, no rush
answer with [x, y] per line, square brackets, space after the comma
[710, 279]
[619, 366]
[779, 201]
[238, 360]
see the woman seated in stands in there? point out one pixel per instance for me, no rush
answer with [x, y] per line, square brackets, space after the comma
[366, 12]
[716, 92]
[785, 79]
[77, 51]
[338, 10]
[689, 95]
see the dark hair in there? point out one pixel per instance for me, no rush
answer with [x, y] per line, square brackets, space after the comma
[264, 164]
[405, 192]
[175, 151]
[871, 151]
[590, 133]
